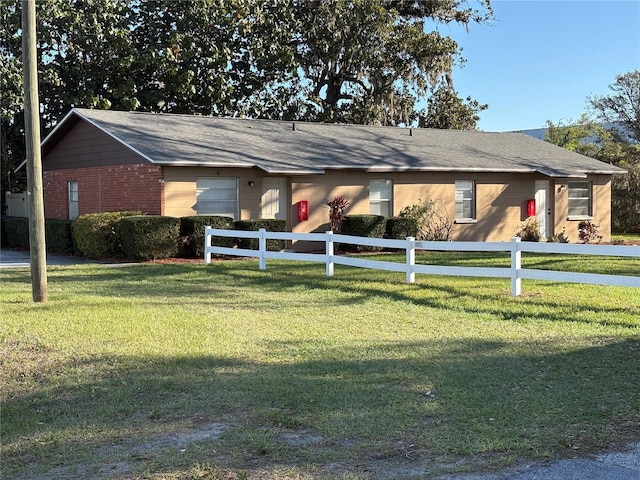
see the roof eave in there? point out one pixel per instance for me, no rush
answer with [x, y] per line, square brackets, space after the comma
[274, 171]
[446, 169]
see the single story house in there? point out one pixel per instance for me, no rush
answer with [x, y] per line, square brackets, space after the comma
[181, 165]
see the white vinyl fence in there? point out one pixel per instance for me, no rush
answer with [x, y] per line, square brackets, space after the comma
[515, 272]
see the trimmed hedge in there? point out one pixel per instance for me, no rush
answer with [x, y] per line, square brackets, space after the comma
[372, 226]
[58, 235]
[16, 231]
[192, 233]
[3, 233]
[399, 228]
[94, 234]
[270, 225]
[149, 237]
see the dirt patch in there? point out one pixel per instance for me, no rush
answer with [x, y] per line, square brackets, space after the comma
[124, 460]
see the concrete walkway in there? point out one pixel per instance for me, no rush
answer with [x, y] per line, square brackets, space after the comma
[20, 259]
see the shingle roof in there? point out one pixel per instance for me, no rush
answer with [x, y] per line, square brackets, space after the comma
[301, 147]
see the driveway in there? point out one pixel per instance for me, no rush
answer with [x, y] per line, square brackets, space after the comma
[20, 259]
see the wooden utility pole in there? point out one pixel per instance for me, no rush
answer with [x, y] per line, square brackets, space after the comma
[37, 246]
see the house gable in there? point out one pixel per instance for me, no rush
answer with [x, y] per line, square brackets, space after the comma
[86, 146]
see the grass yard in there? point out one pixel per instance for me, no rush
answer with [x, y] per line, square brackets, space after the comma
[222, 371]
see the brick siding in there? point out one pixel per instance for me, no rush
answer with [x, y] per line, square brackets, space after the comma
[104, 189]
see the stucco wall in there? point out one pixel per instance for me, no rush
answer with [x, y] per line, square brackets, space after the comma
[601, 191]
[180, 189]
[500, 198]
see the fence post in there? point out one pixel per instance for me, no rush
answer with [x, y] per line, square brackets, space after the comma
[516, 265]
[411, 259]
[207, 243]
[329, 253]
[262, 248]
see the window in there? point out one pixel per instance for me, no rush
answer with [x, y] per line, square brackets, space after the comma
[73, 199]
[217, 196]
[579, 199]
[380, 197]
[465, 200]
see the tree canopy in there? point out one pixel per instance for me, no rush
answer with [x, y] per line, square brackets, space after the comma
[622, 106]
[352, 61]
[611, 134]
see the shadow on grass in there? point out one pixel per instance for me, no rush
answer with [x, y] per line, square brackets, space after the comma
[470, 297]
[222, 282]
[451, 396]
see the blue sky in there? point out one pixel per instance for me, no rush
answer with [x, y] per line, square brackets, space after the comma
[541, 59]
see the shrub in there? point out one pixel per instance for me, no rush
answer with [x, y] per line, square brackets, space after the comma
[588, 232]
[58, 235]
[192, 233]
[149, 237]
[529, 230]
[434, 223]
[16, 231]
[94, 234]
[399, 228]
[558, 237]
[337, 207]
[3, 233]
[270, 225]
[372, 226]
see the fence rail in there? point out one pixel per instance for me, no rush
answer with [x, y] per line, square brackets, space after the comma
[515, 247]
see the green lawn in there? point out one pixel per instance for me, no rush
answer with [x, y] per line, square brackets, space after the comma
[224, 371]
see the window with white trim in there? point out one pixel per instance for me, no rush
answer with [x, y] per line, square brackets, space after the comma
[380, 193]
[579, 199]
[72, 187]
[217, 196]
[465, 200]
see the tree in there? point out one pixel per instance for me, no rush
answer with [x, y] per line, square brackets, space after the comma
[589, 137]
[448, 111]
[202, 56]
[213, 58]
[606, 143]
[354, 61]
[622, 106]
[625, 199]
[12, 146]
[370, 61]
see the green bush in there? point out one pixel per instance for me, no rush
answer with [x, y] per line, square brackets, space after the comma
[94, 234]
[149, 237]
[58, 235]
[399, 228]
[3, 233]
[529, 230]
[434, 223]
[192, 233]
[270, 225]
[16, 231]
[372, 226]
